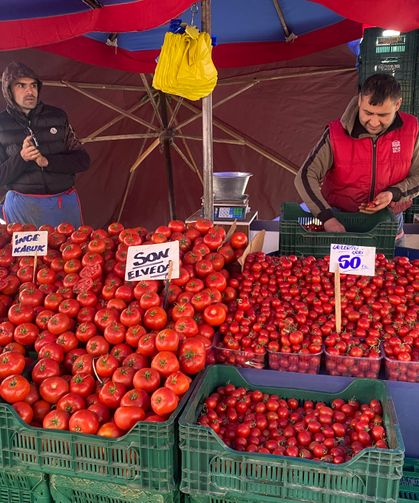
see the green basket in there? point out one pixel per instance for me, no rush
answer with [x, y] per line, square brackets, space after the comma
[21, 486]
[77, 490]
[210, 468]
[147, 457]
[378, 229]
[409, 484]
[411, 215]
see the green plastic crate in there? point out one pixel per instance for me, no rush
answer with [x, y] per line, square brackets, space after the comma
[210, 468]
[21, 486]
[378, 229]
[76, 490]
[239, 499]
[411, 215]
[409, 484]
[147, 457]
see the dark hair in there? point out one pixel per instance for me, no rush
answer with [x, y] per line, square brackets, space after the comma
[380, 87]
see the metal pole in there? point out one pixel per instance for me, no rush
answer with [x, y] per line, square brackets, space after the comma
[207, 127]
[167, 156]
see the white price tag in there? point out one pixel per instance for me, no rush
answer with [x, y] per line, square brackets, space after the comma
[359, 260]
[152, 261]
[30, 243]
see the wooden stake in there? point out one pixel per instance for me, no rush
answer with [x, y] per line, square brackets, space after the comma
[338, 304]
[167, 284]
[35, 263]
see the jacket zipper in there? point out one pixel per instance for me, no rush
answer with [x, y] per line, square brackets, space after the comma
[374, 169]
[42, 169]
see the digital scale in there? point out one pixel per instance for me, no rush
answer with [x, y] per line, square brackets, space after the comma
[230, 202]
[232, 209]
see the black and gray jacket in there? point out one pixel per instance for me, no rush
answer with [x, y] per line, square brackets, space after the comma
[56, 138]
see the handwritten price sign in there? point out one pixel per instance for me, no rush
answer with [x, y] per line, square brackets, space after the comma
[358, 260]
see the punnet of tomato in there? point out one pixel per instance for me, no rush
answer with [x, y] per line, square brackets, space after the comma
[239, 357]
[305, 363]
[398, 370]
[292, 444]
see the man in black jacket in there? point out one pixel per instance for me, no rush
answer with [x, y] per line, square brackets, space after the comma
[39, 154]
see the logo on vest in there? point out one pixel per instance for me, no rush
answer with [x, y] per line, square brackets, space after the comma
[54, 130]
[395, 146]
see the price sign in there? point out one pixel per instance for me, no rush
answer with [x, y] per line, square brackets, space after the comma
[152, 261]
[30, 243]
[359, 260]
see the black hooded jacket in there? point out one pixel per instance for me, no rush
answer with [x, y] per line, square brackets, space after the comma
[56, 139]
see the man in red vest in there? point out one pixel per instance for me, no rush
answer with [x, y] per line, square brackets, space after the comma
[365, 161]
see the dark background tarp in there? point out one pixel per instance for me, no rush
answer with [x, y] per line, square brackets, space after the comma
[286, 116]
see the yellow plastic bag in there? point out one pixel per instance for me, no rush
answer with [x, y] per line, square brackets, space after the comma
[185, 66]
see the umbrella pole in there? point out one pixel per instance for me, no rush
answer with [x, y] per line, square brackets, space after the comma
[207, 127]
[166, 141]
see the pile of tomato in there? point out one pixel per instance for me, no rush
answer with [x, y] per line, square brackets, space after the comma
[254, 421]
[84, 350]
[285, 308]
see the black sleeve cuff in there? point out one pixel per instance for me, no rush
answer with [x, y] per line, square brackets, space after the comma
[397, 193]
[325, 215]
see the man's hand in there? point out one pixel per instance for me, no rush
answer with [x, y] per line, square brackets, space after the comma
[29, 152]
[381, 201]
[41, 161]
[333, 225]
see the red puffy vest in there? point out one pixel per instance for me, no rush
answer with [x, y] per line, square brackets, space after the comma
[358, 173]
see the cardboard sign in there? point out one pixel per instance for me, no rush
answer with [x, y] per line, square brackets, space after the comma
[351, 259]
[152, 261]
[30, 243]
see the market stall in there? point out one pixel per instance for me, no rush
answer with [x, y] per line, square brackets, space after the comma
[110, 335]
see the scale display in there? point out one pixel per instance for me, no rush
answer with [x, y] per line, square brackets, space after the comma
[229, 212]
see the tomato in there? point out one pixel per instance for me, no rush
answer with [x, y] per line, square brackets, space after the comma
[82, 384]
[178, 382]
[71, 402]
[26, 334]
[14, 388]
[59, 323]
[44, 368]
[105, 317]
[56, 420]
[111, 394]
[238, 240]
[147, 379]
[102, 412]
[24, 410]
[6, 333]
[11, 363]
[114, 333]
[214, 314]
[164, 401]
[106, 365]
[83, 364]
[167, 340]
[155, 318]
[18, 314]
[192, 356]
[134, 334]
[53, 388]
[109, 430]
[147, 345]
[165, 362]
[126, 417]
[186, 326]
[124, 375]
[52, 350]
[85, 331]
[97, 346]
[84, 421]
[139, 398]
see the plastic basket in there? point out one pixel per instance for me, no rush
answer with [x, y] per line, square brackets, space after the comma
[294, 362]
[409, 484]
[411, 215]
[237, 357]
[401, 371]
[146, 457]
[21, 486]
[378, 229]
[346, 365]
[77, 490]
[210, 468]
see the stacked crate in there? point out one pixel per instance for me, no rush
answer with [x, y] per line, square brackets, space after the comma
[396, 55]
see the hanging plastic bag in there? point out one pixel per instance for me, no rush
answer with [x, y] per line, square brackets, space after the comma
[185, 66]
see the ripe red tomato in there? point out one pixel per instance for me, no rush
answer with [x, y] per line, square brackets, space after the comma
[178, 382]
[192, 356]
[126, 417]
[155, 318]
[55, 420]
[14, 388]
[53, 388]
[164, 401]
[147, 379]
[84, 421]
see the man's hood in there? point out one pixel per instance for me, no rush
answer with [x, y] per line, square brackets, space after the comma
[349, 115]
[13, 71]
